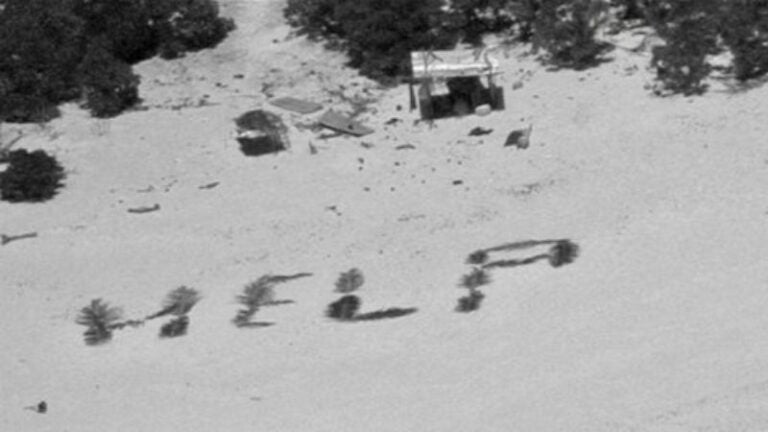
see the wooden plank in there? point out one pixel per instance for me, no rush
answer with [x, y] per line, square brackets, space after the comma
[341, 123]
[296, 105]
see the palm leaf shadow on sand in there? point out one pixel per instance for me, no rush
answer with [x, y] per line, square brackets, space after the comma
[255, 324]
[258, 294]
[561, 252]
[389, 313]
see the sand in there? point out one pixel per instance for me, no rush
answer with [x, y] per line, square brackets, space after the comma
[659, 324]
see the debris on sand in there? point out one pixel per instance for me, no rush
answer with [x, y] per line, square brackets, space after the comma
[520, 138]
[209, 185]
[40, 408]
[479, 131]
[405, 147]
[5, 239]
[144, 209]
[296, 105]
[344, 124]
[261, 132]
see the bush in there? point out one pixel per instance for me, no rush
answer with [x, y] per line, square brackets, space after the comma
[42, 42]
[109, 85]
[745, 32]
[31, 176]
[314, 18]
[176, 327]
[478, 17]
[690, 29]
[27, 108]
[525, 13]
[40, 47]
[344, 309]
[377, 35]
[194, 25]
[566, 29]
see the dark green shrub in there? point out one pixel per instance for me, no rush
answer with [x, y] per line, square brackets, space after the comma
[40, 47]
[474, 18]
[344, 309]
[195, 25]
[27, 108]
[377, 35]
[42, 43]
[34, 176]
[745, 33]
[314, 18]
[566, 29]
[630, 9]
[109, 85]
[690, 29]
[128, 25]
[525, 13]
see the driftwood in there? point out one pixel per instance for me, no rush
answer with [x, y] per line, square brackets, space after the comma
[5, 239]
[145, 209]
[209, 185]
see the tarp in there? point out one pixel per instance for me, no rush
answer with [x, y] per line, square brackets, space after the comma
[456, 63]
[260, 132]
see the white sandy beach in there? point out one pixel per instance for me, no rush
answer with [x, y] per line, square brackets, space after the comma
[659, 325]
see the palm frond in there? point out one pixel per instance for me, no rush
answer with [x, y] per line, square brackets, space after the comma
[180, 301]
[476, 278]
[349, 281]
[100, 319]
[99, 313]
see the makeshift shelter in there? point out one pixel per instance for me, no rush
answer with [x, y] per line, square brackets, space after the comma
[261, 132]
[451, 82]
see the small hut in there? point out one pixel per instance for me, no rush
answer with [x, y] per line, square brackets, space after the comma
[455, 82]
